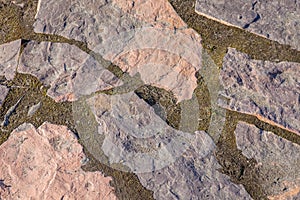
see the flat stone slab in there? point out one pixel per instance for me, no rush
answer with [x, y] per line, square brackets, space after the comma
[9, 55]
[130, 33]
[3, 92]
[277, 20]
[193, 176]
[68, 71]
[268, 90]
[277, 155]
[133, 135]
[45, 163]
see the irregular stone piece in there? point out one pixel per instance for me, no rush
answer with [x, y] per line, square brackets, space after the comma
[33, 109]
[9, 55]
[278, 155]
[63, 67]
[193, 176]
[45, 163]
[134, 135]
[277, 20]
[158, 13]
[127, 34]
[3, 93]
[270, 91]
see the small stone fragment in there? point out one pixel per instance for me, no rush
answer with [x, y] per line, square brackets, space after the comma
[9, 55]
[268, 90]
[45, 163]
[68, 71]
[278, 156]
[277, 20]
[33, 109]
[3, 93]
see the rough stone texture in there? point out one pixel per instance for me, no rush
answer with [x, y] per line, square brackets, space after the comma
[45, 163]
[9, 55]
[277, 20]
[134, 135]
[193, 175]
[64, 67]
[3, 93]
[127, 32]
[275, 154]
[270, 91]
[156, 12]
[172, 72]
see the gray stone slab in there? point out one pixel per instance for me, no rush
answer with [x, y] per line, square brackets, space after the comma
[134, 135]
[277, 20]
[268, 90]
[193, 176]
[9, 55]
[278, 156]
[114, 34]
[3, 93]
[68, 71]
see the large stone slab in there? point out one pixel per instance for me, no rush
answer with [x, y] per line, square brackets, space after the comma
[133, 135]
[277, 20]
[3, 93]
[9, 55]
[268, 90]
[277, 155]
[69, 71]
[193, 176]
[45, 163]
[114, 30]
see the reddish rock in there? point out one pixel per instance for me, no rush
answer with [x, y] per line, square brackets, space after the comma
[276, 156]
[268, 90]
[9, 55]
[129, 32]
[45, 163]
[158, 13]
[68, 71]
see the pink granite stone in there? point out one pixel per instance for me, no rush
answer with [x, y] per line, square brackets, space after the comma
[45, 163]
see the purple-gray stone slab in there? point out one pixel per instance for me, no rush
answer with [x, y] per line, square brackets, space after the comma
[267, 90]
[274, 154]
[193, 176]
[3, 93]
[69, 71]
[277, 20]
[9, 55]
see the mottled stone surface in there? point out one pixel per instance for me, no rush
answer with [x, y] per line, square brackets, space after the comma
[129, 32]
[277, 20]
[68, 71]
[9, 55]
[134, 135]
[45, 163]
[274, 153]
[270, 91]
[3, 93]
[193, 175]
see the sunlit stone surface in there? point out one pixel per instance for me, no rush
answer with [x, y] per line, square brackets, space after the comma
[113, 29]
[274, 153]
[9, 54]
[62, 67]
[45, 163]
[277, 20]
[270, 91]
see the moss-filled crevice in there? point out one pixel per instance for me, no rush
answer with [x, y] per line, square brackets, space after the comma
[217, 37]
